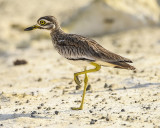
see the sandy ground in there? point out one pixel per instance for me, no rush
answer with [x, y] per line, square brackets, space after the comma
[41, 92]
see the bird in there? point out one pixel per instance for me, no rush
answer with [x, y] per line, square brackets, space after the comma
[80, 51]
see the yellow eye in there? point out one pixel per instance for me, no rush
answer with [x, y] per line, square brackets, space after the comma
[42, 22]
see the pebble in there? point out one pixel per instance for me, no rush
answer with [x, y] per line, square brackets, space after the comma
[96, 96]
[123, 110]
[32, 114]
[107, 119]
[90, 111]
[93, 121]
[102, 117]
[39, 107]
[42, 104]
[20, 62]
[39, 79]
[56, 112]
[70, 82]
[27, 101]
[49, 108]
[99, 79]
[88, 87]
[110, 89]
[105, 85]
[78, 87]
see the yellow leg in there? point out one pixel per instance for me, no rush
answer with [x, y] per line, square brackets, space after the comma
[98, 67]
[76, 79]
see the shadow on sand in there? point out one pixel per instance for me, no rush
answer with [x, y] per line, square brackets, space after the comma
[145, 85]
[14, 116]
[136, 86]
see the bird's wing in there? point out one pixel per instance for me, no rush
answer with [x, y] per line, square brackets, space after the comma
[91, 49]
[74, 47]
[106, 55]
[82, 48]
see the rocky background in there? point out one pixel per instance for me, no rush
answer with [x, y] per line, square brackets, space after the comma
[36, 83]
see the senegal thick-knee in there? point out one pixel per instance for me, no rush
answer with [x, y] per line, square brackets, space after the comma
[80, 50]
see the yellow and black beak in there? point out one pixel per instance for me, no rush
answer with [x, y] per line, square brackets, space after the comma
[32, 28]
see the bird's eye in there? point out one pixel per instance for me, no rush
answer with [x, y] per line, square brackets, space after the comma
[42, 22]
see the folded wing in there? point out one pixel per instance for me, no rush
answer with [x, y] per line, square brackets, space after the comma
[90, 50]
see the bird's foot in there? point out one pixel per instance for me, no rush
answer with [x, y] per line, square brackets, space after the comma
[76, 79]
[79, 108]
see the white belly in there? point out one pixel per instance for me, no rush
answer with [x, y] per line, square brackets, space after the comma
[82, 63]
[79, 63]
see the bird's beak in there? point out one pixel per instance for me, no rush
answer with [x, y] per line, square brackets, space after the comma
[32, 27]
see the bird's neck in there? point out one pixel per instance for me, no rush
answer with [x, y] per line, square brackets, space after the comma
[56, 35]
[57, 31]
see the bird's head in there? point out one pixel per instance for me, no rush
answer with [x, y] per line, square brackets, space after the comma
[46, 22]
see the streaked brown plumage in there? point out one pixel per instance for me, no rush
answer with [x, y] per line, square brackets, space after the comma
[76, 47]
[80, 49]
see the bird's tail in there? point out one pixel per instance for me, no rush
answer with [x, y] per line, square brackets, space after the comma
[122, 65]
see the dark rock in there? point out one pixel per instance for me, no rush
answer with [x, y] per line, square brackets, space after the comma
[39, 107]
[93, 121]
[88, 87]
[20, 62]
[39, 79]
[32, 114]
[106, 85]
[78, 87]
[123, 110]
[16, 110]
[56, 112]
[96, 96]
[102, 117]
[107, 119]
[42, 104]
[90, 111]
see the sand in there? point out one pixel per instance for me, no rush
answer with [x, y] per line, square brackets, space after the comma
[40, 91]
